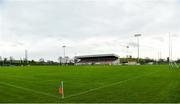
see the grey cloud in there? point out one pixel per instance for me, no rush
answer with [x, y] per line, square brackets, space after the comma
[132, 44]
[17, 43]
[79, 19]
[161, 39]
[80, 23]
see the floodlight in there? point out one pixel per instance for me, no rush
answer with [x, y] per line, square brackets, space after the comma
[137, 35]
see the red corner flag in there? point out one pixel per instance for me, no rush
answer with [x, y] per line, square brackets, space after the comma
[61, 91]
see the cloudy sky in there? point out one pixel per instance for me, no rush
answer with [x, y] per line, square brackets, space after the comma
[88, 27]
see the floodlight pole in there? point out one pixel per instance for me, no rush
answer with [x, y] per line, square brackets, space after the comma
[169, 49]
[127, 51]
[26, 56]
[137, 36]
[64, 51]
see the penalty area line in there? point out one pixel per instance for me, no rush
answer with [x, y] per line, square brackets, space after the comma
[113, 84]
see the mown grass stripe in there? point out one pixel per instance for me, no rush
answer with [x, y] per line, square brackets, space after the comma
[116, 83]
[28, 89]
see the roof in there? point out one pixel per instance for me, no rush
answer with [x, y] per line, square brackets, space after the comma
[97, 55]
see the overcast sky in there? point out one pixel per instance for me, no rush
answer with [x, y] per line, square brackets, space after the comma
[88, 27]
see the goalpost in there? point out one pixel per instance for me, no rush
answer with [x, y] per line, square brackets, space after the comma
[172, 64]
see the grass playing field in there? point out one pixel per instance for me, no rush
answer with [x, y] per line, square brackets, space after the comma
[93, 84]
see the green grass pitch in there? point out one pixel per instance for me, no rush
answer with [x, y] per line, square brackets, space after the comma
[90, 84]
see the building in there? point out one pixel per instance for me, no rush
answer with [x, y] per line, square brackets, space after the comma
[100, 59]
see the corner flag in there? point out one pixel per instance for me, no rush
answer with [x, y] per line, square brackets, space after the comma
[61, 90]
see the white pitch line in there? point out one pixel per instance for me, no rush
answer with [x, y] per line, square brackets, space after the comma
[116, 83]
[27, 89]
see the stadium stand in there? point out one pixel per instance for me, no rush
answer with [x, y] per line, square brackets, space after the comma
[100, 59]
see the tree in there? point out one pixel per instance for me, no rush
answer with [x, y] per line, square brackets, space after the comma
[66, 59]
[50, 62]
[11, 59]
[41, 60]
[5, 61]
[60, 59]
[1, 61]
[168, 60]
[1, 58]
[178, 61]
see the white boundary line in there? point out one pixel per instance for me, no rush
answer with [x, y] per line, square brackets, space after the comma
[116, 83]
[27, 89]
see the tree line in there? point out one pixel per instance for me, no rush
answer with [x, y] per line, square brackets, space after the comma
[147, 60]
[24, 62]
[67, 61]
